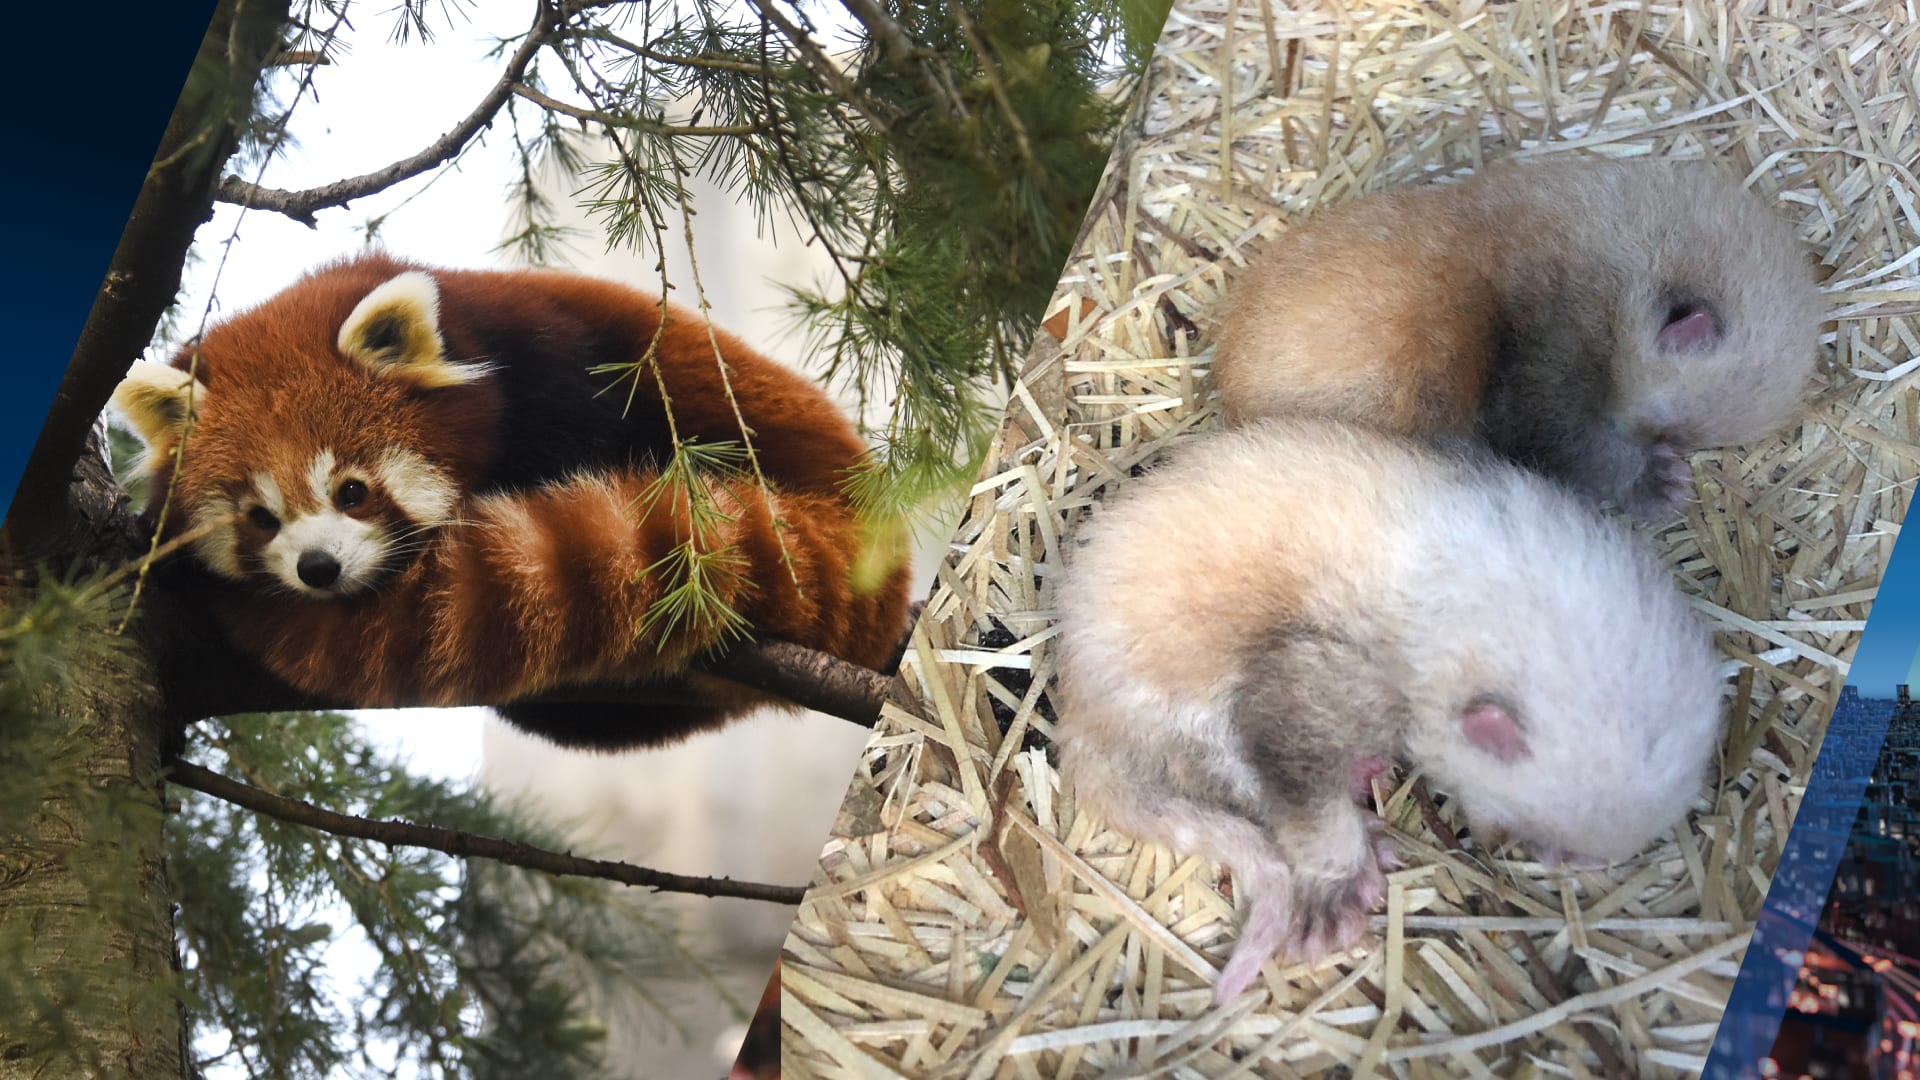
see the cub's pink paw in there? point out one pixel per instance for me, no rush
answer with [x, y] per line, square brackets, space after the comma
[1364, 771]
[1309, 918]
[1383, 853]
[1330, 916]
[1664, 486]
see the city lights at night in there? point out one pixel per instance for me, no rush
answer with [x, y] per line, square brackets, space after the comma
[1854, 1009]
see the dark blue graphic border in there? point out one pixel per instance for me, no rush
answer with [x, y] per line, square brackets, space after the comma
[91, 98]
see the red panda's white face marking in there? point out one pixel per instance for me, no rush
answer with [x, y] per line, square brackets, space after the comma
[336, 528]
[424, 492]
[317, 453]
[314, 544]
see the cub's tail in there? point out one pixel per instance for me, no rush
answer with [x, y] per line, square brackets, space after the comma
[583, 582]
[587, 581]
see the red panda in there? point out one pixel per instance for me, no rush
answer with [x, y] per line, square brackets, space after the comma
[415, 492]
[1595, 321]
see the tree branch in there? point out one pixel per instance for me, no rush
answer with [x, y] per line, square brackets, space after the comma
[821, 64]
[637, 123]
[202, 675]
[701, 60]
[300, 205]
[899, 46]
[297, 57]
[465, 844]
[205, 679]
[810, 679]
[902, 51]
[991, 71]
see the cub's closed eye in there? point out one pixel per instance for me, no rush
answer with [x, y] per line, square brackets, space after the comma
[263, 518]
[350, 494]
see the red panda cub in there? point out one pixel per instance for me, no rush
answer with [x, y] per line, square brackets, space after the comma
[414, 492]
[1594, 321]
[1229, 691]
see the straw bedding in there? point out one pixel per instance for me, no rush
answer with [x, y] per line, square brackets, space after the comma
[968, 921]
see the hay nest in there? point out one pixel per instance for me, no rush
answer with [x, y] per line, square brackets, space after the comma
[969, 921]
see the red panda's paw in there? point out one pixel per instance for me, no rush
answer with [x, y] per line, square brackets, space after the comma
[1330, 915]
[1664, 487]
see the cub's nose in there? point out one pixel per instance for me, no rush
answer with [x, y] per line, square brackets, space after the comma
[318, 569]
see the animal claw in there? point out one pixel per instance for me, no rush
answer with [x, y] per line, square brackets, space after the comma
[1665, 484]
[1383, 852]
[1330, 916]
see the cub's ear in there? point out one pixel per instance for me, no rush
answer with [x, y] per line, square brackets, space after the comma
[395, 330]
[1493, 729]
[158, 399]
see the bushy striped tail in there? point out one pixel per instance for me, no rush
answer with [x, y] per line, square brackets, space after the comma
[575, 582]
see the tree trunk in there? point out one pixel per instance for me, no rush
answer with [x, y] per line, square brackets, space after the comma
[85, 882]
[83, 888]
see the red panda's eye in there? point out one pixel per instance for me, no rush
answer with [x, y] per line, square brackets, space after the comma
[263, 518]
[350, 494]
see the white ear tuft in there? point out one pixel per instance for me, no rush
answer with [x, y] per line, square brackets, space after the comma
[395, 330]
[159, 399]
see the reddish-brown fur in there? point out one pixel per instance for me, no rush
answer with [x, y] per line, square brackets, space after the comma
[1387, 315]
[498, 608]
[1592, 320]
[552, 558]
[272, 367]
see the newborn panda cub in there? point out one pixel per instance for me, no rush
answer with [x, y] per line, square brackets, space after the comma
[1250, 632]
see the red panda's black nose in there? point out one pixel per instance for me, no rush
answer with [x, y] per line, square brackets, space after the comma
[318, 569]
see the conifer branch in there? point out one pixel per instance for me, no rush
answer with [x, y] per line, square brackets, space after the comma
[296, 57]
[465, 844]
[821, 64]
[902, 50]
[884, 29]
[703, 60]
[301, 205]
[638, 123]
[783, 160]
[991, 72]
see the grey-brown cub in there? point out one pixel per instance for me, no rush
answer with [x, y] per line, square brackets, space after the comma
[1595, 321]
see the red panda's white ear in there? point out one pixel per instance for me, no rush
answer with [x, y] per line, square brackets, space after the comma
[158, 400]
[395, 330]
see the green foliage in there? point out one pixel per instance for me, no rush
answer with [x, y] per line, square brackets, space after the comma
[223, 86]
[474, 971]
[124, 451]
[700, 574]
[481, 970]
[944, 162]
[941, 154]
